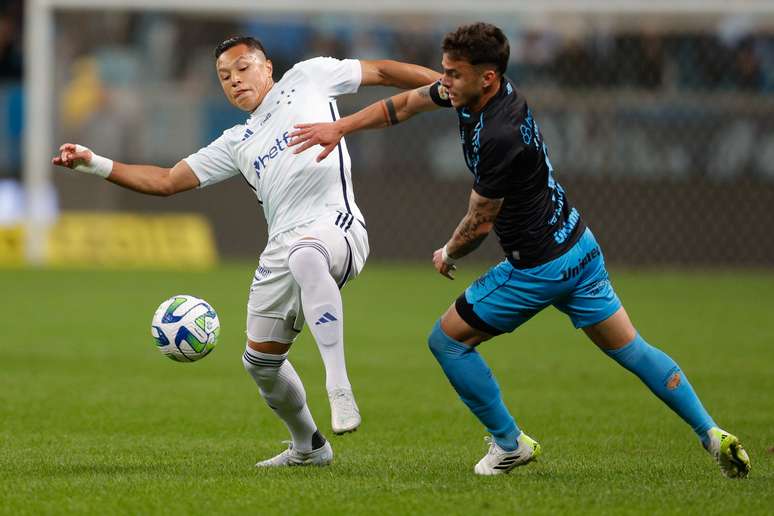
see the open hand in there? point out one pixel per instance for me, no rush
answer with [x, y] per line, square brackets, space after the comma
[325, 134]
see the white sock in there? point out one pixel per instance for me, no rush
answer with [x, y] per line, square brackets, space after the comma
[321, 300]
[283, 391]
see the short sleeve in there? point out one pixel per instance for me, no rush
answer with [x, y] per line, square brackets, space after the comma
[213, 163]
[334, 76]
[493, 175]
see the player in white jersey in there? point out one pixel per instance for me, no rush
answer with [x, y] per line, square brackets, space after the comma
[317, 234]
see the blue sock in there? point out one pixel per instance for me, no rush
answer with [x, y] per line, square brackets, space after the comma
[663, 376]
[472, 379]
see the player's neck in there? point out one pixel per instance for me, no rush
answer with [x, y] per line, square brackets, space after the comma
[264, 93]
[482, 101]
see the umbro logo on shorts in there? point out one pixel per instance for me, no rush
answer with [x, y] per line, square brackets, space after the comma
[326, 318]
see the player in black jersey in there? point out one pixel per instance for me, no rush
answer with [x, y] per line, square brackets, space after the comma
[551, 256]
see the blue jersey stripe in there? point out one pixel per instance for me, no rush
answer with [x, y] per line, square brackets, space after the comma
[251, 186]
[341, 164]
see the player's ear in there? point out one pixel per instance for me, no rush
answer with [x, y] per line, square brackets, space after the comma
[488, 78]
[269, 67]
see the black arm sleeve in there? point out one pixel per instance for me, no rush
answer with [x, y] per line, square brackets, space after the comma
[439, 95]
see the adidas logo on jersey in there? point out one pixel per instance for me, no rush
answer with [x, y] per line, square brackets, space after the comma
[326, 318]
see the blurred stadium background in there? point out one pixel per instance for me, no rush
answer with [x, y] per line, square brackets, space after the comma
[659, 116]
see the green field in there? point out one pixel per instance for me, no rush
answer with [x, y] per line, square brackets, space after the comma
[94, 420]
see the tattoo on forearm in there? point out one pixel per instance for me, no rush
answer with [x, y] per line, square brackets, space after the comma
[392, 116]
[424, 91]
[466, 241]
[469, 235]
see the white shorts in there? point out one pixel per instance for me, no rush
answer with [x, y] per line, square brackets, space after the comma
[274, 311]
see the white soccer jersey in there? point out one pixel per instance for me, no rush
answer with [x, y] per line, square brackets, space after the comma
[292, 188]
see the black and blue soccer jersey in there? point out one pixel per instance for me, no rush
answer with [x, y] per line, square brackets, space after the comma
[504, 150]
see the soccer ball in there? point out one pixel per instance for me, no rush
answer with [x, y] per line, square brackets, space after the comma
[185, 328]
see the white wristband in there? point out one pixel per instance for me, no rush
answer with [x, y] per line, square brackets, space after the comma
[448, 260]
[99, 166]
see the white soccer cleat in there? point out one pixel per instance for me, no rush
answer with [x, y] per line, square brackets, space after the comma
[345, 416]
[728, 452]
[498, 461]
[322, 456]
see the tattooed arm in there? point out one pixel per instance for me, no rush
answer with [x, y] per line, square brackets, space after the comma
[409, 103]
[383, 113]
[471, 231]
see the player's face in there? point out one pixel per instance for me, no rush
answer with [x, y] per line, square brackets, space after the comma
[245, 76]
[466, 83]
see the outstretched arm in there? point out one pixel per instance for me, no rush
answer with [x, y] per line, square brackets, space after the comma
[394, 73]
[383, 113]
[147, 179]
[471, 231]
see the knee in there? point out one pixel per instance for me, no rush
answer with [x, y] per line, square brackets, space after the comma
[253, 367]
[458, 329]
[262, 365]
[631, 354]
[435, 341]
[615, 332]
[308, 254]
[443, 346]
[250, 366]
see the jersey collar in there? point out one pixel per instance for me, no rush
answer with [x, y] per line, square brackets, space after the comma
[501, 92]
[267, 100]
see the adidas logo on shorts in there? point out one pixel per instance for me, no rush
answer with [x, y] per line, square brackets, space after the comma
[326, 318]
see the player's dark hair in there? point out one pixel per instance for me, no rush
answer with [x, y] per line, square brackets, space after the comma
[478, 43]
[233, 41]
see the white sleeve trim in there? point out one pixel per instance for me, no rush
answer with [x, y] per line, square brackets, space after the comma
[200, 175]
[357, 73]
[213, 163]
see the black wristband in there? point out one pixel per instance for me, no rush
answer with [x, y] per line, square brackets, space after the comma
[392, 115]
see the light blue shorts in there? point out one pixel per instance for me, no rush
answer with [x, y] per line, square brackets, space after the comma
[576, 283]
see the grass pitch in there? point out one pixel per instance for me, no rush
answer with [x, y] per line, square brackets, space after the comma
[94, 420]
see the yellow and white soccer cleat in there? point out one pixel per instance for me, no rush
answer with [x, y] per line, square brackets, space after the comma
[728, 452]
[498, 461]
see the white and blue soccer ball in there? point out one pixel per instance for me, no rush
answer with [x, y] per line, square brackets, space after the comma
[185, 328]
